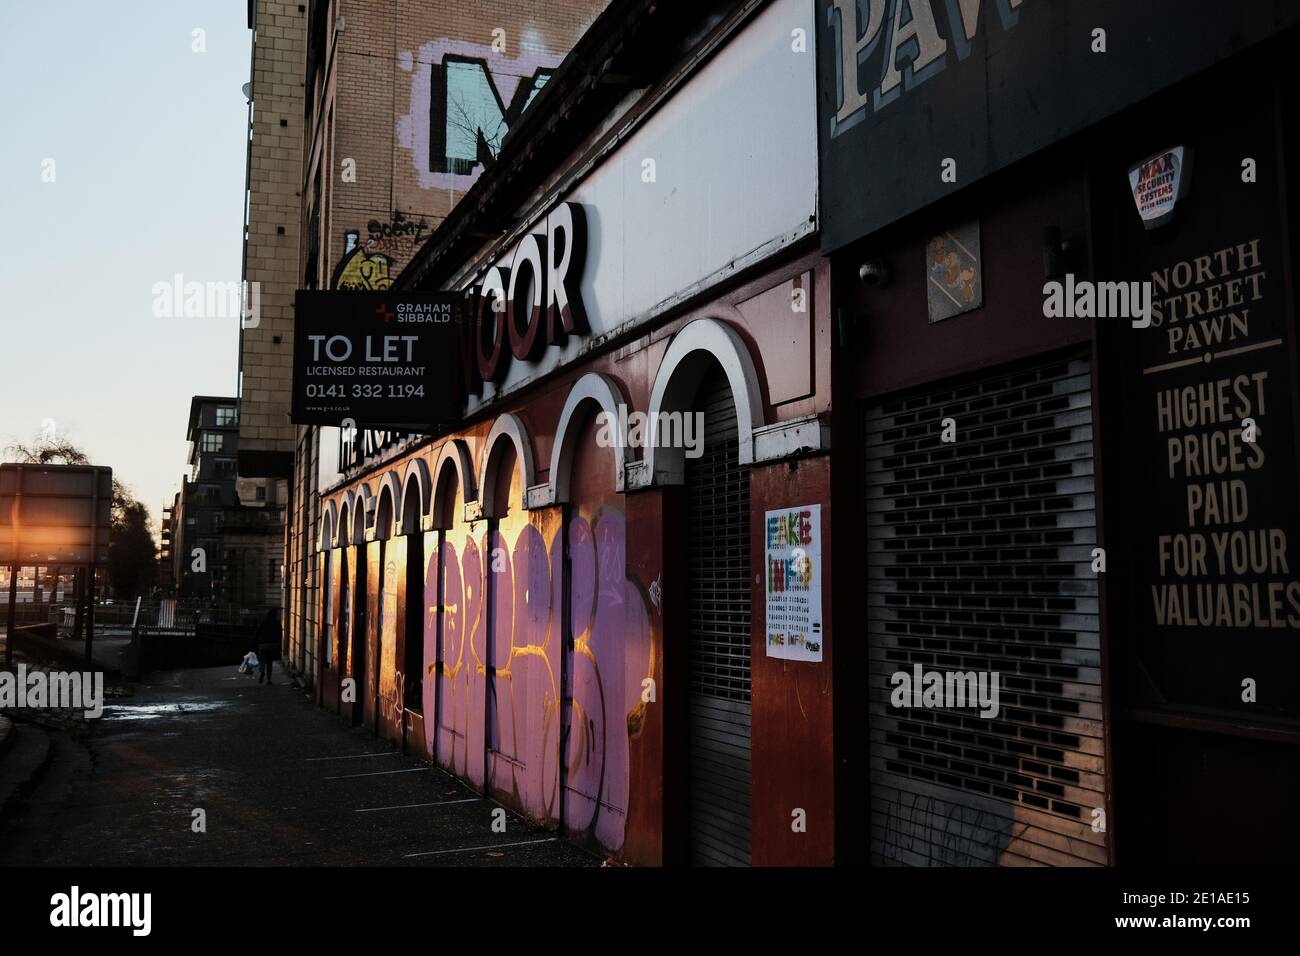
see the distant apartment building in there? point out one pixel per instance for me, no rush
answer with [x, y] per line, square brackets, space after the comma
[206, 491]
[164, 574]
[253, 544]
[406, 105]
[223, 533]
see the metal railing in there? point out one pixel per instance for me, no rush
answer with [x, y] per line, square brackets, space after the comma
[122, 614]
[27, 613]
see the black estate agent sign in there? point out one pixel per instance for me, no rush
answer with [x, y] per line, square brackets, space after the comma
[906, 85]
[377, 358]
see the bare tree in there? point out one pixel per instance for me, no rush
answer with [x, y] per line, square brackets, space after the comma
[47, 451]
[478, 126]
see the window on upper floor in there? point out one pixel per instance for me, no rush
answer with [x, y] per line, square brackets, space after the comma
[212, 441]
[206, 495]
[227, 415]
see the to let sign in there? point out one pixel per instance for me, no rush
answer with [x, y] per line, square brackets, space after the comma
[377, 358]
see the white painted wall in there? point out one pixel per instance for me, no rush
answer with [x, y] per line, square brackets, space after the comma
[735, 155]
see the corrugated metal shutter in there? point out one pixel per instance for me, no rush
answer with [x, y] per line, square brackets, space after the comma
[718, 608]
[979, 559]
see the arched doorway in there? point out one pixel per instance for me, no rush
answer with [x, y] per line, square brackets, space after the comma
[356, 557]
[387, 557]
[514, 603]
[451, 587]
[411, 605]
[718, 645]
[501, 506]
[326, 687]
[606, 645]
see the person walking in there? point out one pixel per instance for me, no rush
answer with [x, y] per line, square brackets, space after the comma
[268, 644]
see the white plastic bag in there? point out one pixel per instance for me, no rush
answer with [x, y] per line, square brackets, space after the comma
[248, 663]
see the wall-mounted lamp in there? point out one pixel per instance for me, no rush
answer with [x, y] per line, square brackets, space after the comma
[873, 273]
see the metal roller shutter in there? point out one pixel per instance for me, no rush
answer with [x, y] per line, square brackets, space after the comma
[717, 502]
[979, 559]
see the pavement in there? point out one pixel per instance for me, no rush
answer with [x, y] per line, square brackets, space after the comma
[107, 649]
[277, 780]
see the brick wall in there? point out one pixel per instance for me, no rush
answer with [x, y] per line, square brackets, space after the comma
[402, 64]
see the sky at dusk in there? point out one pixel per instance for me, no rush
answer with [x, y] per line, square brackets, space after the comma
[147, 141]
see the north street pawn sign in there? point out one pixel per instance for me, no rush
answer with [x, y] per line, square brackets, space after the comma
[377, 358]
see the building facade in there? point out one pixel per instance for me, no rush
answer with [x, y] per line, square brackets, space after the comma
[543, 601]
[207, 492]
[969, 339]
[406, 103]
[1064, 275]
[272, 214]
[272, 223]
[166, 576]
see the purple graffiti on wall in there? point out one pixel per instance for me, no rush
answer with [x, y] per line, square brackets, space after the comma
[610, 657]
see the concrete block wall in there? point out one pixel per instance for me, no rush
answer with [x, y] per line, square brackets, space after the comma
[274, 211]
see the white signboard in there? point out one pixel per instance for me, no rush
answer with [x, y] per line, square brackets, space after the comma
[668, 215]
[793, 546]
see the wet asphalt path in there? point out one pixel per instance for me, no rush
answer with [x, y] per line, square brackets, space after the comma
[280, 783]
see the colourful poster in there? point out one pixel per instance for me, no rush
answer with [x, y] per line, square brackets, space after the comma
[793, 546]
